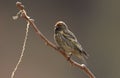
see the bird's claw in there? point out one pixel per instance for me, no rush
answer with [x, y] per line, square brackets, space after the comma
[68, 57]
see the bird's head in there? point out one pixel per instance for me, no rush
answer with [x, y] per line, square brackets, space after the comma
[60, 26]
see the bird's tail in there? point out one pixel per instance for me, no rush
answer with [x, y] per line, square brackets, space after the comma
[85, 54]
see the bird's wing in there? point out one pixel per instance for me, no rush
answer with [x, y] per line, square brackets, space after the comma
[70, 36]
[73, 40]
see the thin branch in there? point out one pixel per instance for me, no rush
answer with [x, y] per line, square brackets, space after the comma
[22, 52]
[31, 21]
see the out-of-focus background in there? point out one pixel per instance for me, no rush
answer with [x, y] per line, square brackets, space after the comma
[96, 23]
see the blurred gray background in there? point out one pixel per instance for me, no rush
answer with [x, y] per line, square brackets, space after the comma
[96, 23]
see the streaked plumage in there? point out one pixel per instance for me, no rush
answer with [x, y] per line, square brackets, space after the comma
[67, 41]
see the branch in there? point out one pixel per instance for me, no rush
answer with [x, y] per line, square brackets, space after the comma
[24, 15]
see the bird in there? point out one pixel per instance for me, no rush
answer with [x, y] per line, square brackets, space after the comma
[67, 41]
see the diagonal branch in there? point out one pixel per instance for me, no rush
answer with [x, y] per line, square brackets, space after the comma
[24, 15]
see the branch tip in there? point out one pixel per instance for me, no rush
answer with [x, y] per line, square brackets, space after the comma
[19, 5]
[15, 17]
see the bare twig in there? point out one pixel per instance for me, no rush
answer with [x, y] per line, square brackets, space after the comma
[23, 49]
[31, 21]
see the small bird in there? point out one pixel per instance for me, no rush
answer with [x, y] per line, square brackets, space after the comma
[67, 41]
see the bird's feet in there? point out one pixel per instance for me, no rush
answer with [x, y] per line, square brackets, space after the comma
[69, 56]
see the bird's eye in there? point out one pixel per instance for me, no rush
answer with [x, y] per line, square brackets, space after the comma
[57, 28]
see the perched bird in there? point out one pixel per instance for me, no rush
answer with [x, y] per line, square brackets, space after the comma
[67, 41]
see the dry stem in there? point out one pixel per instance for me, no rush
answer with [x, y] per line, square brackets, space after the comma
[22, 52]
[31, 21]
